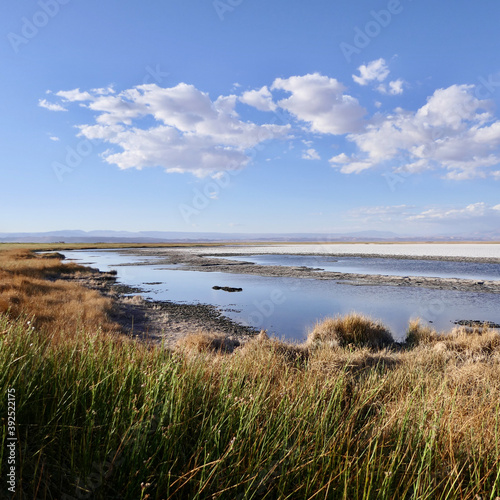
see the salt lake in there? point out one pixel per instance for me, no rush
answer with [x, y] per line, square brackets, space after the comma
[289, 307]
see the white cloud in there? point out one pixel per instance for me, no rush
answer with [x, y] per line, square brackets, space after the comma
[182, 129]
[353, 167]
[310, 154]
[377, 71]
[43, 103]
[395, 87]
[373, 71]
[76, 95]
[474, 210]
[383, 213]
[54, 138]
[260, 99]
[342, 158]
[321, 102]
[453, 130]
[188, 132]
[349, 165]
[103, 91]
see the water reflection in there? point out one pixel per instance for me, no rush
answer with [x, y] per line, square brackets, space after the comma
[378, 265]
[289, 307]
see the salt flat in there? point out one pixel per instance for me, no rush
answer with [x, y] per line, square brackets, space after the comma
[466, 250]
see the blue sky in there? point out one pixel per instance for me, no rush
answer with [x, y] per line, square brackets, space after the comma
[250, 116]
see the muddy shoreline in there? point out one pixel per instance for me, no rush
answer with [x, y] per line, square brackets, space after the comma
[223, 264]
[159, 320]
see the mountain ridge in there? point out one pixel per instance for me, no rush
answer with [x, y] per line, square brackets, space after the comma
[110, 236]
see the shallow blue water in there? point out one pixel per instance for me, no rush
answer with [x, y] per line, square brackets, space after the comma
[289, 307]
[382, 266]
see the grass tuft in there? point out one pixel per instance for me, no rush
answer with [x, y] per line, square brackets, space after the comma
[353, 329]
[418, 334]
[202, 341]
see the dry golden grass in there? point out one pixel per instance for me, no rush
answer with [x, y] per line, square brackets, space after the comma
[286, 352]
[29, 285]
[202, 341]
[418, 333]
[466, 341]
[352, 329]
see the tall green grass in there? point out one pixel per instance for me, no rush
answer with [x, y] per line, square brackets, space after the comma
[102, 417]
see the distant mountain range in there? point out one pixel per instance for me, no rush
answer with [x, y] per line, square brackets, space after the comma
[77, 236]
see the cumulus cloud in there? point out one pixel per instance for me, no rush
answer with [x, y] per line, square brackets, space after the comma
[322, 103]
[186, 131]
[453, 130]
[310, 154]
[260, 99]
[76, 95]
[349, 164]
[182, 129]
[373, 71]
[43, 103]
[377, 71]
[394, 87]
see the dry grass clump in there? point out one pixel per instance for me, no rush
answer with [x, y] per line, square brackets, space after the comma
[352, 329]
[287, 352]
[202, 341]
[327, 360]
[463, 340]
[29, 286]
[483, 341]
[418, 333]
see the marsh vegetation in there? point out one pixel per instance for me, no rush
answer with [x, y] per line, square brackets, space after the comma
[347, 414]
